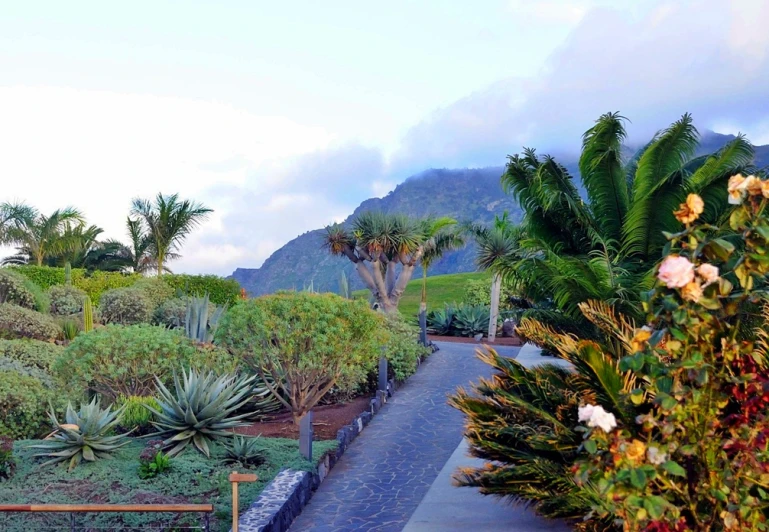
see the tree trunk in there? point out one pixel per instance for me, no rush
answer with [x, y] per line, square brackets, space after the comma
[496, 286]
[423, 309]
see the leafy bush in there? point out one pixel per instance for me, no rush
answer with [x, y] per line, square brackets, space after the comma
[154, 289]
[171, 313]
[66, 300]
[403, 349]
[314, 341]
[7, 461]
[70, 329]
[478, 292]
[220, 291]
[136, 417]
[14, 289]
[31, 353]
[125, 306]
[152, 460]
[123, 360]
[20, 322]
[200, 410]
[23, 400]
[92, 283]
[85, 435]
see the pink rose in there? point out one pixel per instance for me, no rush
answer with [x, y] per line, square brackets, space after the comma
[676, 272]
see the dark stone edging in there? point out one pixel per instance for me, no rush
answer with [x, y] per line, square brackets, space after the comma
[283, 499]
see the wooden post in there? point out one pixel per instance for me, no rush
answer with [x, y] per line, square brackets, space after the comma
[305, 436]
[236, 477]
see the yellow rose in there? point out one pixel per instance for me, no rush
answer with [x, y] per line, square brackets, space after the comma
[736, 189]
[635, 451]
[640, 338]
[692, 291]
[753, 185]
[691, 210]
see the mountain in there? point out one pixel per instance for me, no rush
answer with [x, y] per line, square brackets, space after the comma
[467, 195]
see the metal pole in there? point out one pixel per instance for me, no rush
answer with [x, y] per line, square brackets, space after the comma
[305, 436]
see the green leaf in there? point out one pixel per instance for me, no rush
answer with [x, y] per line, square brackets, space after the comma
[655, 505]
[590, 446]
[674, 469]
[638, 478]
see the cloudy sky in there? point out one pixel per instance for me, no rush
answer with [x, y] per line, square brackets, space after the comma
[283, 116]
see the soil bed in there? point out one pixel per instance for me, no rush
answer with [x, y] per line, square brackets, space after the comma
[499, 340]
[326, 421]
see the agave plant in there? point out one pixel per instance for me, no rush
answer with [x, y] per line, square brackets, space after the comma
[470, 320]
[441, 321]
[201, 409]
[198, 324]
[85, 435]
[244, 451]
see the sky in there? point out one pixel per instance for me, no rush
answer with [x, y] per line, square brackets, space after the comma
[284, 116]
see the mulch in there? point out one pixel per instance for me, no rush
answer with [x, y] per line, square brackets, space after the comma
[326, 421]
[499, 340]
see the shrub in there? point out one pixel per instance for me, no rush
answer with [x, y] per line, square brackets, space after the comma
[200, 410]
[125, 306]
[244, 451]
[136, 417]
[123, 360]
[314, 341]
[403, 349]
[171, 313]
[85, 435]
[23, 400]
[478, 292]
[470, 320]
[31, 353]
[220, 291]
[7, 461]
[19, 322]
[92, 283]
[154, 289]
[14, 289]
[66, 300]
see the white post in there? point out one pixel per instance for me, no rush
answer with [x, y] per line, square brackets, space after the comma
[496, 286]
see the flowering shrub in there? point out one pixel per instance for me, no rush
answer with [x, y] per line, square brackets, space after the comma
[697, 456]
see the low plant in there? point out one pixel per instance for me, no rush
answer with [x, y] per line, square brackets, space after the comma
[125, 306]
[66, 300]
[20, 322]
[402, 349]
[70, 329]
[136, 418]
[470, 320]
[115, 360]
[441, 321]
[155, 289]
[244, 451]
[171, 313]
[152, 460]
[84, 435]
[14, 289]
[200, 410]
[22, 404]
[200, 323]
[31, 353]
[7, 461]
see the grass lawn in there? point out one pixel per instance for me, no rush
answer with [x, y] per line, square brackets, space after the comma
[192, 479]
[441, 289]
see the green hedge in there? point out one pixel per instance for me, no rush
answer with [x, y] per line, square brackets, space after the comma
[221, 291]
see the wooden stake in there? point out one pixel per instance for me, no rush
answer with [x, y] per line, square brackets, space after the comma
[236, 477]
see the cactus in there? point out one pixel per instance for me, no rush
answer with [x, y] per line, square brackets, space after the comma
[87, 315]
[198, 325]
[68, 274]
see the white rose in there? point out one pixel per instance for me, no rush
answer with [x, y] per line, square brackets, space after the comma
[676, 271]
[708, 272]
[596, 416]
[655, 456]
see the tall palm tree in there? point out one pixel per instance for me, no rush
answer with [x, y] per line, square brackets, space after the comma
[380, 244]
[167, 222]
[440, 240]
[39, 237]
[605, 246]
[13, 215]
[497, 248]
[140, 253]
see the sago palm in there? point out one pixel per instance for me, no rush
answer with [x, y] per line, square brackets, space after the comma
[167, 222]
[605, 246]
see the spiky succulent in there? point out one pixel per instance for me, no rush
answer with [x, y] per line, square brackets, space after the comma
[85, 435]
[244, 450]
[200, 410]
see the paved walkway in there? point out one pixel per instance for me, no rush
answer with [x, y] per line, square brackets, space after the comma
[383, 476]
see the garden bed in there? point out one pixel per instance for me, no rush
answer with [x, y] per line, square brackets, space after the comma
[327, 420]
[192, 479]
[499, 340]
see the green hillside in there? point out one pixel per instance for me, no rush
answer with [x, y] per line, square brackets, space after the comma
[441, 289]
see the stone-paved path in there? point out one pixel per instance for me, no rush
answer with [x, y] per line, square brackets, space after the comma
[387, 470]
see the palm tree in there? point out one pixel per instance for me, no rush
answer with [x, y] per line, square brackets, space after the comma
[440, 240]
[497, 247]
[166, 223]
[140, 254]
[39, 237]
[605, 246]
[378, 244]
[12, 215]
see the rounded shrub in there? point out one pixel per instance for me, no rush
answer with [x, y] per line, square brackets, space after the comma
[66, 300]
[14, 289]
[171, 313]
[31, 353]
[154, 289]
[125, 306]
[136, 416]
[124, 360]
[403, 350]
[23, 405]
[20, 322]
